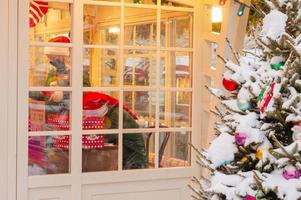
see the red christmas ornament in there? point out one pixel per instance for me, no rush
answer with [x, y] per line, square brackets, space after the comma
[229, 84]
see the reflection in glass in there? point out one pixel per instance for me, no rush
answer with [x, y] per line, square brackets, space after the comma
[141, 1]
[100, 153]
[100, 68]
[49, 111]
[216, 19]
[100, 110]
[48, 155]
[138, 150]
[176, 69]
[143, 104]
[175, 109]
[48, 20]
[101, 25]
[140, 27]
[140, 68]
[213, 60]
[178, 29]
[174, 149]
[49, 66]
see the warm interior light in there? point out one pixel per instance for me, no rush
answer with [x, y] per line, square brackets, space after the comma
[114, 30]
[217, 15]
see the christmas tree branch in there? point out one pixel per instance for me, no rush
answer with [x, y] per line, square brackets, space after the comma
[235, 54]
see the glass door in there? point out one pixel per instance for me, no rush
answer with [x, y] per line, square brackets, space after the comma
[108, 88]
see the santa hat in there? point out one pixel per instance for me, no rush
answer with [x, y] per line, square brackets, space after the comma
[62, 51]
[97, 102]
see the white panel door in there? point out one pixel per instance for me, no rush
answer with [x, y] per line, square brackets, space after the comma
[107, 99]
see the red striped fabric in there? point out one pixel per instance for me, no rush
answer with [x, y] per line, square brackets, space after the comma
[37, 10]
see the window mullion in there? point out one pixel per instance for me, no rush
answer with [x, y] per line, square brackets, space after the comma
[76, 103]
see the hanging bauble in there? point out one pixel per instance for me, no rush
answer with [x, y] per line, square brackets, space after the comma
[240, 138]
[259, 153]
[296, 131]
[243, 104]
[277, 63]
[297, 136]
[229, 84]
[244, 159]
[265, 96]
[278, 66]
[291, 172]
[249, 197]
[222, 2]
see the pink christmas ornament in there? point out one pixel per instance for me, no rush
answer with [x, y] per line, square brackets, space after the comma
[249, 197]
[240, 138]
[290, 172]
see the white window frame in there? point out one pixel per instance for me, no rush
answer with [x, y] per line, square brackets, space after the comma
[76, 179]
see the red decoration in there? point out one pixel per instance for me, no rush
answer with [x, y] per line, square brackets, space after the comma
[229, 84]
[37, 11]
[266, 98]
[222, 2]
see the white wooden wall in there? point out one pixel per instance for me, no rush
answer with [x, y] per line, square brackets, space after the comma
[8, 92]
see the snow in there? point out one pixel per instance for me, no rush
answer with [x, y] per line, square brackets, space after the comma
[225, 184]
[286, 189]
[217, 92]
[274, 25]
[277, 59]
[222, 150]
[247, 124]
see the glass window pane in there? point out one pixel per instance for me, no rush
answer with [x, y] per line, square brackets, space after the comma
[48, 155]
[141, 109]
[175, 109]
[138, 150]
[213, 63]
[100, 153]
[101, 67]
[100, 110]
[176, 69]
[140, 68]
[48, 20]
[153, 2]
[49, 111]
[216, 19]
[174, 149]
[49, 66]
[174, 3]
[140, 27]
[178, 29]
[101, 25]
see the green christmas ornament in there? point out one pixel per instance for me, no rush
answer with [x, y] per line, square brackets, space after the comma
[278, 66]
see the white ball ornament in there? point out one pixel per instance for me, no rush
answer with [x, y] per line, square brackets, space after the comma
[243, 104]
[296, 132]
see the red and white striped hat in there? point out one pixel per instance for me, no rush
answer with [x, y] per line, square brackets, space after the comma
[37, 11]
[63, 51]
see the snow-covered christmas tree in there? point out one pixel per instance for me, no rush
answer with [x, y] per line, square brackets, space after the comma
[257, 151]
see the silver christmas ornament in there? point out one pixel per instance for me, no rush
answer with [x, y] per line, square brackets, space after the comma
[243, 104]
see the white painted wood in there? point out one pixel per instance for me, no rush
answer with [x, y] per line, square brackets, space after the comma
[175, 189]
[22, 134]
[159, 184]
[54, 193]
[4, 98]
